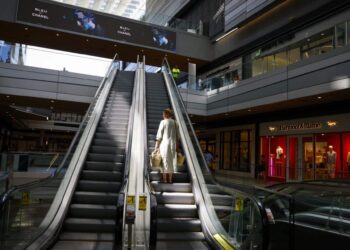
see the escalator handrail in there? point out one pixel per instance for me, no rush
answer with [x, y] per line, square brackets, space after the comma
[256, 201]
[118, 243]
[129, 135]
[153, 201]
[54, 218]
[7, 194]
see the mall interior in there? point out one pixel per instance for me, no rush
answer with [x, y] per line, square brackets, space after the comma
[259, 92]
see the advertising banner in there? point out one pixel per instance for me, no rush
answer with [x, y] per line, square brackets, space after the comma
[91, 23]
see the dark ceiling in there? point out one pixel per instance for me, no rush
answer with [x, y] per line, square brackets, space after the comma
[43, 37]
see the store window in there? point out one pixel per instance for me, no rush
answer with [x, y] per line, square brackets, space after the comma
[293, 55]
[318, 44]
[340, 35]
[235, 150]
[327, 156]
[273, 150]
[346, 155]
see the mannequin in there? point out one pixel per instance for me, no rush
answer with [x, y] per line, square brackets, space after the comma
[279, 152]
[331, 161]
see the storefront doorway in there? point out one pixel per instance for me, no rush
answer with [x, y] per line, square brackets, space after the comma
[300, 155]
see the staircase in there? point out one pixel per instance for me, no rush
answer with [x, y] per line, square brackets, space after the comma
[178, 224]
[90, 221]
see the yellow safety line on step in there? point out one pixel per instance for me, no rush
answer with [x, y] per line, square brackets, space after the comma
[223, 242]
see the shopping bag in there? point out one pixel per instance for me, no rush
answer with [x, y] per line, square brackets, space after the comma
[155, 159]
[180, 160]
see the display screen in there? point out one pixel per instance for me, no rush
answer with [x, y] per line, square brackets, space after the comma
[91, 23]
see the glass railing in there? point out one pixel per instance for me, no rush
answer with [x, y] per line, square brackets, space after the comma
[315, 209]
[263, 60]
[24, 207]
[236, 216]
[58, 60]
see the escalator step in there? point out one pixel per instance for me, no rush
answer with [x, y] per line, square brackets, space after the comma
[79, 236]
[89, 225]
[101, 175]
[104, 198]
[188, 236]
[179, 225]
[99, 186]
[174, 198]
[94, 211]
[177, 211]
[86, 245]
[104, 166]
[174, 187]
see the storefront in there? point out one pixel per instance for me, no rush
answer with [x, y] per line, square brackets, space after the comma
[306, 149]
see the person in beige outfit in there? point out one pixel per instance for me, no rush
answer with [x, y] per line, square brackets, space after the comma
[167, 143]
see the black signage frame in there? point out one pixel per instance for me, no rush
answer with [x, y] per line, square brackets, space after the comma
[92, 23]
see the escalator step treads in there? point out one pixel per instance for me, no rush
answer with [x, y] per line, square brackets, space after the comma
[105, 198]
[179, 225]
[176, 244]
[174, 198]
[89, 225]
[81, 236]
[177, 211]
[180, 236]
[174, 187]
[93, 211]
[99, 175]
[107, 166]
[85, 244]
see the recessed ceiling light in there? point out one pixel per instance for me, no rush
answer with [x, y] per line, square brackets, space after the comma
[26, 28]
[249, 110]
[226, 114]
[57, 34]
[319, 97]
[52, 101]
[115, 45]
[7, 96]
[87, 40]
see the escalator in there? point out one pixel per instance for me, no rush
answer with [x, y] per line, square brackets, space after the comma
[90, 221]
[178, 223]
[87, 210]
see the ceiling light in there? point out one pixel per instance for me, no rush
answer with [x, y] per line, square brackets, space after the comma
[51, 107]
[25, 28]
[52, 101]
[87, 40]
[319, 97]
[225, 35]
[7, 96]
[226, 114]
[249, 110]
[57, 34]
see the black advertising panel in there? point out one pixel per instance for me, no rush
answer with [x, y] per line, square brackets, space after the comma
[146, 35]
[90, 23]
[61, 17]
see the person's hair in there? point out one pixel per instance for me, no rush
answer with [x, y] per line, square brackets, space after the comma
[168, 112]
